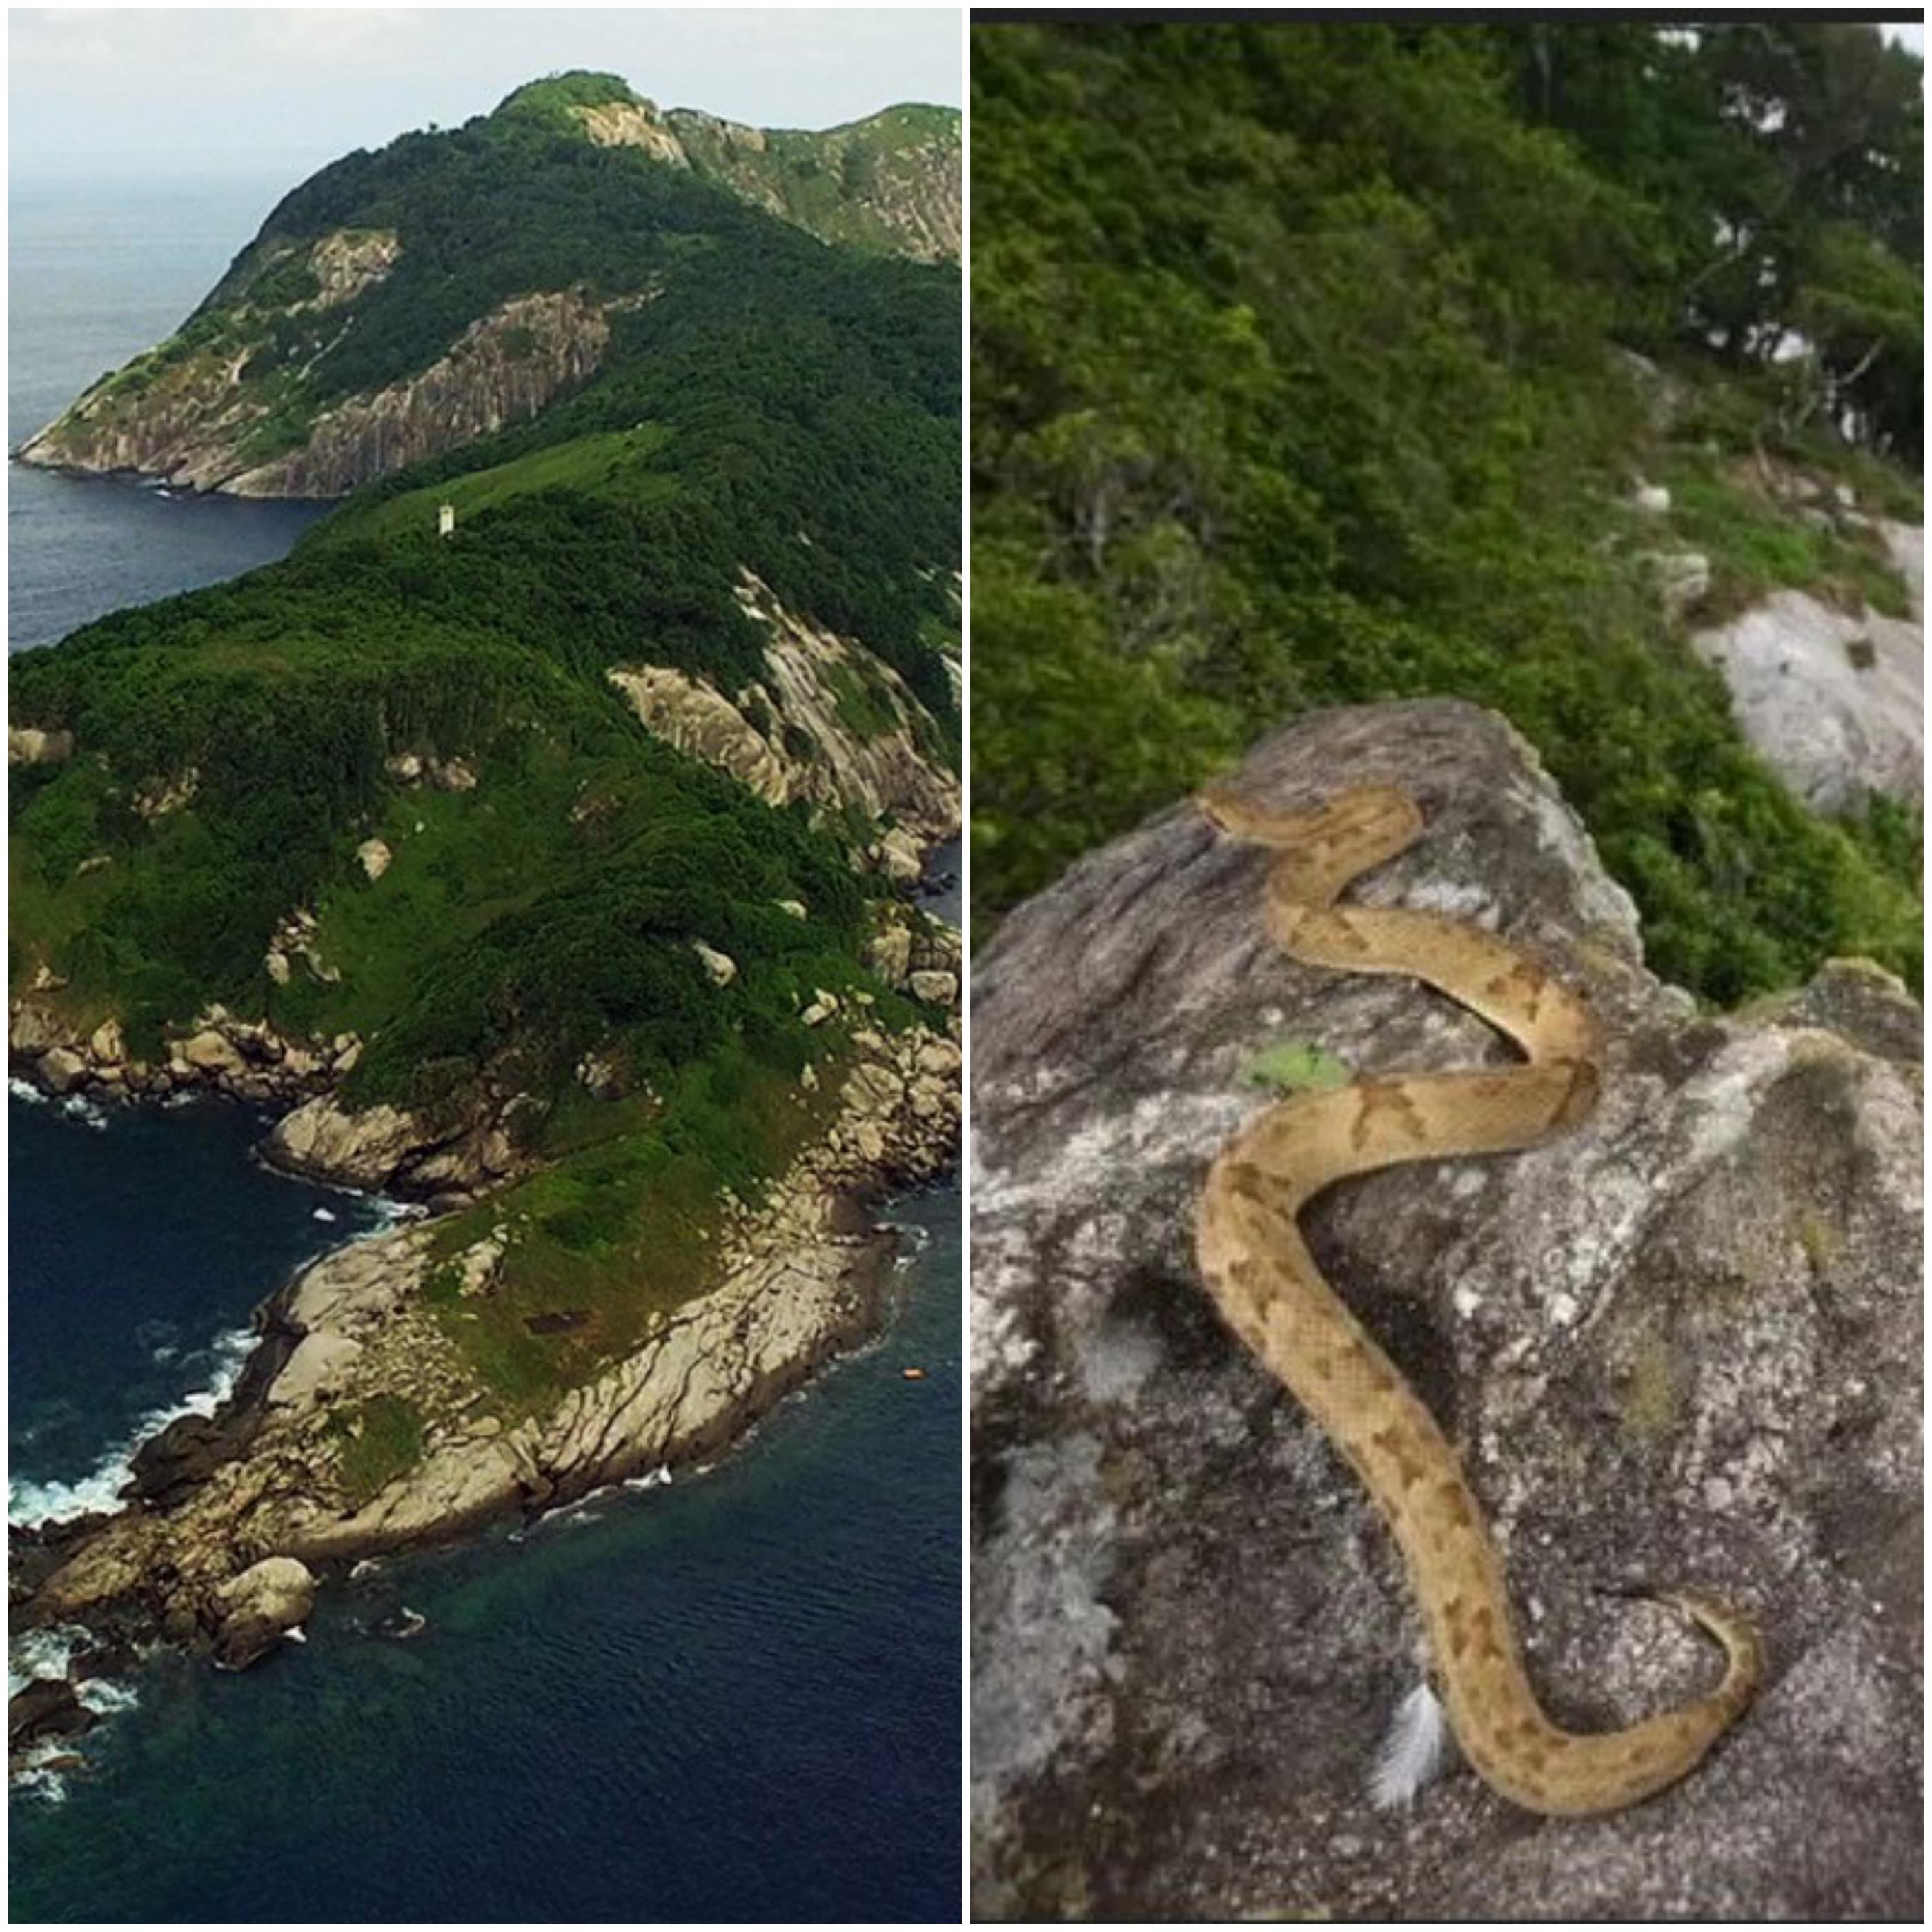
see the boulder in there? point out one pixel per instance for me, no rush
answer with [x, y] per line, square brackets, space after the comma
[107, 1043]
[61, 1069]
[33, 1028]
[889, 951]
[940, 989]
[374, 856]
[1677, 1346]
[823, 1006]
[1834, 701]
[257, 1609]
[325, 1139]
[212, 1052]
[720, 966]
[45, 1707]
[899, 856]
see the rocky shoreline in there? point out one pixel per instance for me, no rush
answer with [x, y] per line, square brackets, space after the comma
[231, 1521]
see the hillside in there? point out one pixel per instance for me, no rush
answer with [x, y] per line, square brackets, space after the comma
[400, 303]
[1315, 363]
[552, 870]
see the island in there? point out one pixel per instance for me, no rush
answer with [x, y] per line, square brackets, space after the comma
[541, 841]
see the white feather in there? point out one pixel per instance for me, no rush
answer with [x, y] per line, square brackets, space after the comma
[1414, 1753]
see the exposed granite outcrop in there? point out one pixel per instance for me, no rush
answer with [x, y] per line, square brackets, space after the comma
[1679, 1345]
[891, 182]
[829, 724]
[193, 421]
[259, 1607]
[1833, 699]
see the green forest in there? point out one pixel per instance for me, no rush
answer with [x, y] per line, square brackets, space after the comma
[1313, 363]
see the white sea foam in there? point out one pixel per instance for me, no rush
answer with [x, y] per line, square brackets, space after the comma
[31, 1777]
[42, 1653]
[104, 1697]
[76, 1106]
[658, 1479]
[322, 1214]
[30, 1503]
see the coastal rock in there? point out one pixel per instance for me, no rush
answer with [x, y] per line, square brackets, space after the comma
[792, 1283]
[898, 856]
[374, 856]
[45, 1707]
[258, 1608]
[325, 1140]
[939, 989]
[61, 1069]
[192, 416]
[211, 1051]
[34, 1027]
[1670, 1345]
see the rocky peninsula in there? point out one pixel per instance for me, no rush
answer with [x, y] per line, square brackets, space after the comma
[231, 1521]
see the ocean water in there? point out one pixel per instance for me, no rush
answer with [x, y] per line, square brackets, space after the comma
[736, 1696]
[120, 1317]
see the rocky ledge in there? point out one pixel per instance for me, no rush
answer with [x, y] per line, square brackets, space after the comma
[231, 1522]
[1679, 1346]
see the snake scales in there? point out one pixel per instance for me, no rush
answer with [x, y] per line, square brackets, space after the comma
[1270, 1292]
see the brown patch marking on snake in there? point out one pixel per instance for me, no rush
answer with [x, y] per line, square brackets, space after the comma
[1409, 1472]
[1385, 1097]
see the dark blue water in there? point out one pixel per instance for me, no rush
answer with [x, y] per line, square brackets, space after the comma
[115, 1318]
[736, 1698]
[100, 272]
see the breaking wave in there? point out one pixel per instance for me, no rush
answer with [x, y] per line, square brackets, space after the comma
[30, 1504]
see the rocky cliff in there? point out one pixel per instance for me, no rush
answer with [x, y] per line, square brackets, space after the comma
[1833, 694]
[192, 416]
[1679, 1345]
[830, 724]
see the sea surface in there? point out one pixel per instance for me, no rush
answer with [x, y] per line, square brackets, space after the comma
[734, 1696]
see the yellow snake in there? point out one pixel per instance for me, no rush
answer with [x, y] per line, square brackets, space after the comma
[1268, 1289]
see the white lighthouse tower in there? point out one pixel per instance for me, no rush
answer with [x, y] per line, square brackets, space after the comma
[445, 519]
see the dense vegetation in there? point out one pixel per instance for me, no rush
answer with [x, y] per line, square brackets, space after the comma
[800, 403]
[778, 405]
[1306, 372]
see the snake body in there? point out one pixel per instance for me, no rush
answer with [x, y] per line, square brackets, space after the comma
[1266, 1284]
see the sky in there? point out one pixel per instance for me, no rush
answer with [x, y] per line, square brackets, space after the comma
[162, 91]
